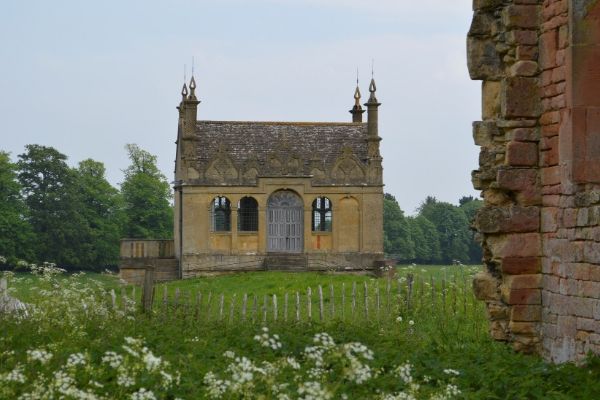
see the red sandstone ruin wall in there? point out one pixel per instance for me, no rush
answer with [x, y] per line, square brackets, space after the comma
[539, 172]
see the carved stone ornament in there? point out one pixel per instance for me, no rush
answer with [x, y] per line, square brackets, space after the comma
[283, 160]
[221, 169]
[348, 168]
[251, 170]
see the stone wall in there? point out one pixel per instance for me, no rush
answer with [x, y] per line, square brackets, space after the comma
[539, 172]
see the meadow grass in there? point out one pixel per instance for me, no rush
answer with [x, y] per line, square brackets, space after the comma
[439, 338]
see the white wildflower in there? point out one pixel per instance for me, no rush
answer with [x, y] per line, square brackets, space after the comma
[76, 359]
[216, 387]
[113, 359]
[449, 371]
[229, 354]
[313, 391]
[124, 379]
[16, 375]
[143, 394]
[41, 355]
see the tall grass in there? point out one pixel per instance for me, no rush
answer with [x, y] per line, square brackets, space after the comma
[75, 316]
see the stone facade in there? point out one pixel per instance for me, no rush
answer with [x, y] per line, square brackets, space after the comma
[539, 172]
[222, 165]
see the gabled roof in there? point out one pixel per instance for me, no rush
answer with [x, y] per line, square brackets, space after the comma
[247, 140]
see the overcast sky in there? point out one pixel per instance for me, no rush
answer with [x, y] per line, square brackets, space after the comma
[89, 77]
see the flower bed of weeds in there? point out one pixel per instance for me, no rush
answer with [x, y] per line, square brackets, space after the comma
[72, 344]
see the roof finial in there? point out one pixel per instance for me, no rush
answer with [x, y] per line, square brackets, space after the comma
[372, 67]
[184, 90]
[372, 86]
[357, 92]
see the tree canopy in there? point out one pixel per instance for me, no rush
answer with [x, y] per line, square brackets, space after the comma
[440, 232]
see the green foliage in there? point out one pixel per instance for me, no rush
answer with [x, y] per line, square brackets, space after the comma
[470, 206]
[452, 227]
[50, 191]
[396, 237]
[425, 238]
[439, 233]
[146, 196]
[101, 208]
[16, 235]
[438, 339]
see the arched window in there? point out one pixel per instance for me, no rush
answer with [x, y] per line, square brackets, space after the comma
[248, 215]
[321, 215]
[221, 214]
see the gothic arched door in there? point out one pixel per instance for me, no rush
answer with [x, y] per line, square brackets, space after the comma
[285, 222]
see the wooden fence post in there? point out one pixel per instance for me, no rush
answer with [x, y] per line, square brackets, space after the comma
[255, 310]
[409, 288]
[366, 302]
[274, 308]
[208, 305]
[332, 300]
[231, 308]
[343, 300]
[309, 303]
[113, 297]
[244, 304]
[320, 303]
[198, 305]
[221, 307]
[353, 299]
[148, 289]
[265, 300]
[297, 306]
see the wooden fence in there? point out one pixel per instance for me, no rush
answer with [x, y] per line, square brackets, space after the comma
[374, 300]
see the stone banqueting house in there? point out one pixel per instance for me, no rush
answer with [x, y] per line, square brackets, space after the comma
[539, 172]
[270, 196]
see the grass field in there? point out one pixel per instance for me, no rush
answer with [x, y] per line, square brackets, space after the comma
[447, 346]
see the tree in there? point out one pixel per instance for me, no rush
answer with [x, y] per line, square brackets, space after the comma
[16, 235]
[146, 196]
[48, 185]
[425, 239]
[452, 227]
[396, 238]
[101, 208]
[469, 205]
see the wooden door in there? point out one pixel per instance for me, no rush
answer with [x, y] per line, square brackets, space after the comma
[285, 217]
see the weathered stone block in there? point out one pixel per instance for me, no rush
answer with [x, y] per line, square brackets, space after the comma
[526, 313]
[550, 175]
[523, 328]
[520, 97]
[521, 296]
[515, 245]
[483, 60]
[549, 219]
[530, 281]
[521, 265]
[486, 4]
[567, 326]
[490, 103]
[517, 179]
[548, 46]
[481, 24]
[485, 286]
[527, 52]
[484, 132]
[524, 68]
[521, 16]
[591, 253]
[522, 37]
[508, 219]
[522, 154]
